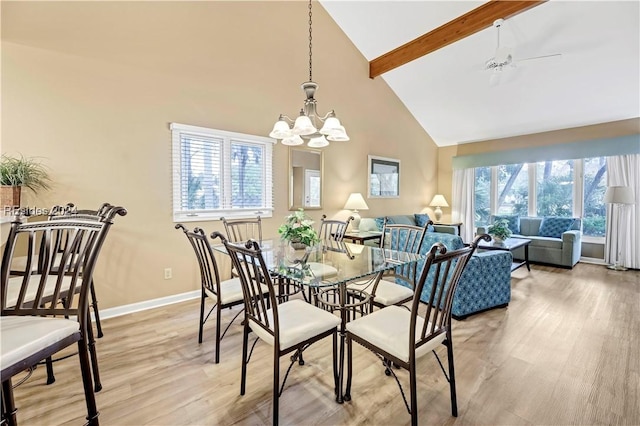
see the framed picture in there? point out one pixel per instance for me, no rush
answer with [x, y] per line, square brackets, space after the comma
[384, 177]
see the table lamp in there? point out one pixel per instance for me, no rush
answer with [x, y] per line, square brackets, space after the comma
[437, 202]
[618, 196]
[355, 202]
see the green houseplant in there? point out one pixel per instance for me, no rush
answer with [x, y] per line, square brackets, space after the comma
[298, 229]
[16, 172]
[499, 230]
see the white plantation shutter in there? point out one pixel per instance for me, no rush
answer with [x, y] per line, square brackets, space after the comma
[218, 173]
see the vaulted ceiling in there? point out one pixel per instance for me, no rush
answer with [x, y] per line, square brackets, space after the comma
[595, 80]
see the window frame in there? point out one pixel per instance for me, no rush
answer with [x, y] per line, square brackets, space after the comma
[578, 193]
[226, 210]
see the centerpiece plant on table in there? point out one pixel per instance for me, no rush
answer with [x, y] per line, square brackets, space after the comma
[298, 230]
[499, 230]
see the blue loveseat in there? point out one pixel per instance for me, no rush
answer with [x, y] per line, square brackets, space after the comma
[554, 241]
[486, 281]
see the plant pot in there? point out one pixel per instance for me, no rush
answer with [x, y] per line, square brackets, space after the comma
[298, 246]
[497, 240]
[10, 197]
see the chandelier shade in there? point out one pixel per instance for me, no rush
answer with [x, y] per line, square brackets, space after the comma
[306, 125]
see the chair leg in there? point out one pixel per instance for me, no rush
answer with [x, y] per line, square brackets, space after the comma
[245, 342]
[8, 403]
[90, 399]
[452, 376]
[347, 392]
[218, 319]
[96, 314]
[94, 357]
[202, 297]
[276, 384]
[335, 364]
[414, 396]
[51, 378]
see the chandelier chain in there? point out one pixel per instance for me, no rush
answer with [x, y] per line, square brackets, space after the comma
[310, 39]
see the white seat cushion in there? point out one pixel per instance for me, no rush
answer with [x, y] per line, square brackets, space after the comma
[231, 291]
[23, 336]
[388, 329]
[388, 293]
[319, 270]
[15, 284]
[299, 321]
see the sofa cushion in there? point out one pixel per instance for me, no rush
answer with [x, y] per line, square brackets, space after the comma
[547, 242]
[513, 222]
[554, 226]
[422, 219]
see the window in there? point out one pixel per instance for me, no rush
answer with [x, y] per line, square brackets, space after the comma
[595, 184]
[218, 173]
[567, 188]
[513, 189]
[554, 188]
[483, 195]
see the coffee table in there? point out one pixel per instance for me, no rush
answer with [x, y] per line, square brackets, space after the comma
[510, 244]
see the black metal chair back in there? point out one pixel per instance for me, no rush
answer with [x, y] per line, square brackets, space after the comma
[406, 238]
[239, 230]
[333, 229]
[254, 274]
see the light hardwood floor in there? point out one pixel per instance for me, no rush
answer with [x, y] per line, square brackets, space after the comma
[565, 351]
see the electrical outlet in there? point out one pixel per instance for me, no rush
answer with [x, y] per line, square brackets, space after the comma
[167, 273]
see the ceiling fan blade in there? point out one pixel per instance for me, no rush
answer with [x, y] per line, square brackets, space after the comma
[554, 56]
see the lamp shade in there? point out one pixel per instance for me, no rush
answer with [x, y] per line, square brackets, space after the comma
[356, 202]
[619, 195]
[303, 126]
[438, 201]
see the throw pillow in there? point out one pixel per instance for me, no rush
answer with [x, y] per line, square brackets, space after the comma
[555, 226]
[513, 222]
[422, 219]
[368, 224]
[379, 223]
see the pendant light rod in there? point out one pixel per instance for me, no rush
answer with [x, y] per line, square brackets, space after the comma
[306, 125]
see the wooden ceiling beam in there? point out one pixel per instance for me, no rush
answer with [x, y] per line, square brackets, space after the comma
[470, 23]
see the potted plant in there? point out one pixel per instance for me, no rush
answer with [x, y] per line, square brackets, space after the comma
[499, 230]
[16, 172]
[298, 230]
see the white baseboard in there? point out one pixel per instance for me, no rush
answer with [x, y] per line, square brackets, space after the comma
[148, 304]
[593, 260]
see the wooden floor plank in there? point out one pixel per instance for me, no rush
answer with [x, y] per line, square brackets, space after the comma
[565, 351]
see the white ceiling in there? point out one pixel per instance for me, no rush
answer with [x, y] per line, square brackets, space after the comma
[596, 80]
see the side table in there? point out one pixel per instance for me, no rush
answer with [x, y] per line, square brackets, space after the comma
[362, 236]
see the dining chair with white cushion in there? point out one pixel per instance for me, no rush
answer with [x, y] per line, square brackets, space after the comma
[397, 286]
[400, 337]
[223, 293]
[288, 326]
[42, 316]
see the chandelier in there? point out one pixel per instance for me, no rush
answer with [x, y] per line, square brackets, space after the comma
[306, 125]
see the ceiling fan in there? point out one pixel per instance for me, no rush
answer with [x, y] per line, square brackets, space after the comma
[503, 58]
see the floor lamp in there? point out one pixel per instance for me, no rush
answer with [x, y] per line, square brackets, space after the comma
[618, 196]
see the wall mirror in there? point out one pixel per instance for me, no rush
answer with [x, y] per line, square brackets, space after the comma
[305, 178]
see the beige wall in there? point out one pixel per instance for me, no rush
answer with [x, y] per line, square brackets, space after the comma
[91, 87]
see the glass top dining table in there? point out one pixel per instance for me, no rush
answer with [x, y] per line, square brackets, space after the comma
[327, 268]
[330, 263]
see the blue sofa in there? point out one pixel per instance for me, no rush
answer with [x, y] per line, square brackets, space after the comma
[486, 281]
[560, 248]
